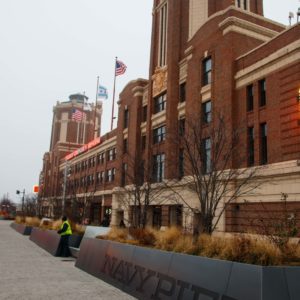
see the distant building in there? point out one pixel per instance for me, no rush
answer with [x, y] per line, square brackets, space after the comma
[75, 123]
[207, 56]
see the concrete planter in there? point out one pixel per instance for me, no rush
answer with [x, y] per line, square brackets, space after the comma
[49, 240]
[21, 228]
[153, 274]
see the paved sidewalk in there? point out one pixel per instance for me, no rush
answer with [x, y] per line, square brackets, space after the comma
[29, 272]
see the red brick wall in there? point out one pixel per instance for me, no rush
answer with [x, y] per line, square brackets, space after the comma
[245, 217]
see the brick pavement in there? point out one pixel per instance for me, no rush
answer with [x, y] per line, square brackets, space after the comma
[30, 273]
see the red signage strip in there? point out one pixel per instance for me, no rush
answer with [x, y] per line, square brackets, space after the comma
[84, 148]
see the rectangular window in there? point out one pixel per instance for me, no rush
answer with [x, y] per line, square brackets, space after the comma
[111, 154]
[124, 172]
[263, 144]
[206, 155]
[206, 112]
[250, 145]
[125, 145]
[181, 127]
[244, 4]
[181, 163]
[101, 158]
[182, 92]
[206, 71]
[158, 167]
[126, 118]
[110, 175]
[262, 92]
[162, 55]
[159, 134]
[143, 142]
[144, 113]
[142, 172]
[160, 103]
[249, 95]
[102, 176]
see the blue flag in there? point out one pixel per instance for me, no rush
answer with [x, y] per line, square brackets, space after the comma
[102, 92]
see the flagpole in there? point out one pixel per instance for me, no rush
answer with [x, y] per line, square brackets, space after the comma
[77, 139]
[84, 121]
[113, 101]
[95, 110]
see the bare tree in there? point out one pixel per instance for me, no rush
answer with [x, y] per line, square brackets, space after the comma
[31, 208]
[79, 205]
[140, 190]
[277, 224]
[213, 170]
[7, 206]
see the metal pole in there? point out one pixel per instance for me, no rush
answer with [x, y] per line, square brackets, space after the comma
[64, 187]
[95, 110]
[23, 199]
[113, 100]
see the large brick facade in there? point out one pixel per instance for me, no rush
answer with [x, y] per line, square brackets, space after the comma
[253, 79]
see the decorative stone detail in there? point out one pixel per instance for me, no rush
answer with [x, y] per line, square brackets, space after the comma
[159, 78]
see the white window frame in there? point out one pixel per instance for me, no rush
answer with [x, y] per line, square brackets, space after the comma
[163, 26]
[242, 4]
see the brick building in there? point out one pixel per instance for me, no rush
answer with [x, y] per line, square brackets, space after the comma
[208, 57]
[74, 124]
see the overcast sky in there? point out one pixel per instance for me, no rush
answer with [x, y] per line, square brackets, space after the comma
[50, 49]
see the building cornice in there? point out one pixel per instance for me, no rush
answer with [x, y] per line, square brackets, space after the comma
[273, 62]
[234, 8]
[235, 24]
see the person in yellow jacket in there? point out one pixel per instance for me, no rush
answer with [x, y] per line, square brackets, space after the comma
[65, 232]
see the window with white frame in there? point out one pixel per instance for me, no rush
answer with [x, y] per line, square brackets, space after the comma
[162, 51]
[243, 4]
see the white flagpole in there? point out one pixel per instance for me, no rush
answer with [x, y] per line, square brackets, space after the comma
[95, 112]
[83, 119]
[84, 126]
[113, 101]
[77, 139]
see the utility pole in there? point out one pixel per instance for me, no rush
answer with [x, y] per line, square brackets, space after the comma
[23, 199]
[66, 174]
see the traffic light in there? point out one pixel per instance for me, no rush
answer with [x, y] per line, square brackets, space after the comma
[18, 192]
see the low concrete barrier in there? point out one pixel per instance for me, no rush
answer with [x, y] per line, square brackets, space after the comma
[90, 232]
[21, 228]
[46, 239]
[153, 274]
[49, 240]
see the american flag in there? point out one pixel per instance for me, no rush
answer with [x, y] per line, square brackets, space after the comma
[120, 68]
[77, 115]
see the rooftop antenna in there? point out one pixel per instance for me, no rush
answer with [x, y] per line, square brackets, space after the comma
[291, 16]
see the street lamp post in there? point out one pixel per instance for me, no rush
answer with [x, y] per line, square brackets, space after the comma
[66, 175]
[23, 199]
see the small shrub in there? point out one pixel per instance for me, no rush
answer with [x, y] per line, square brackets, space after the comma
[78, 228]
[32, 221]
[46, 224]
[185, 244]
[145, 237]
[210, 246]
[55, 225]
[117, 234]
[19, 220]
[166, 240]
